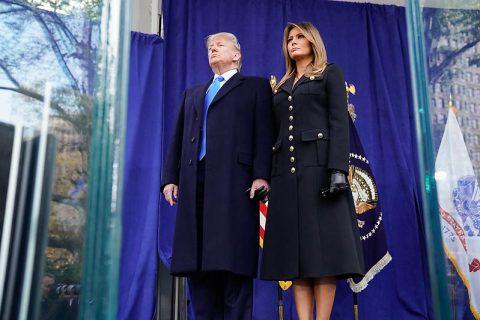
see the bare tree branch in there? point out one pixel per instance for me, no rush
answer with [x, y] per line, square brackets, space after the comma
[76, 123]
[57, 50]
[9, 75]
[12, 11]
[436, 72]
[64, 28]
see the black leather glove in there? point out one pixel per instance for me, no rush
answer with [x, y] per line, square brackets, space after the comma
[338, 183]
[260, 194]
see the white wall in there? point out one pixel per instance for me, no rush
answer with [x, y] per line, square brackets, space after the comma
[142, 18]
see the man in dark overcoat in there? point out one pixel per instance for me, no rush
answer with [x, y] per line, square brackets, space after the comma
[221, 146]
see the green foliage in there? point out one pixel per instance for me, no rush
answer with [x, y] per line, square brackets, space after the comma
[64, 265]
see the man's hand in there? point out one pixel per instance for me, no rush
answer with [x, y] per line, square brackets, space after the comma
[338, 182]
[256, 184]
[171, 193]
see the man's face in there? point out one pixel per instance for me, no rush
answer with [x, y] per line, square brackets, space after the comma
[47, 285]
[221, 51]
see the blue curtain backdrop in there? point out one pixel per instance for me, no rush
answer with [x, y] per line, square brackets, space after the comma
[142, 179]
[370, 43]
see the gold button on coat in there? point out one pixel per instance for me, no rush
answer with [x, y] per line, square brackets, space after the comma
[290, 128]
[320, 135]
[290, 118]
[292, 170]
[290, 137]
[292, 159]
[312, 78]
[290, 108]
[291, 148]
[289, 98]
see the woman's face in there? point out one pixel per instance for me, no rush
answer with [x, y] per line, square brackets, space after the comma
[298, 46]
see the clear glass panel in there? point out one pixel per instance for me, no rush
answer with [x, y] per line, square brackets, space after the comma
[55, 104]
[445, 40]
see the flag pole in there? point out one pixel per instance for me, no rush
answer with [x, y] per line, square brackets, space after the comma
[451, 268]
[280, 302]
[355, 306]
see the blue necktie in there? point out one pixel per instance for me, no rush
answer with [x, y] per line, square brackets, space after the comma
[211, 93]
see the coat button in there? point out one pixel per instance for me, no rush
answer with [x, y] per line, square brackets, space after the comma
[292, 170]
[290, 118]
[289, 98]
[275, 91]
[290, 138]
[312, 78]
[190, 162]
[273, 148]
[292, 159]
[320, 135]
[291, 148]
[290, 108]
[290, 128]
[193, 139]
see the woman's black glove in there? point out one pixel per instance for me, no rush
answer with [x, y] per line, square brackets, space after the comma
[338, 183]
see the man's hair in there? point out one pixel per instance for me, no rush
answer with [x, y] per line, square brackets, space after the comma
[46, 274]
[233, 39]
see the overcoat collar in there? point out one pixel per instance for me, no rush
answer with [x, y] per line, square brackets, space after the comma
[288, 86]
[233, 82]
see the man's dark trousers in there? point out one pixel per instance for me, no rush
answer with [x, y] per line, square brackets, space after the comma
[217, 295]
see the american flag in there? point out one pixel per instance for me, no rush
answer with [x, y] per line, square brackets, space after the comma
[263, 219]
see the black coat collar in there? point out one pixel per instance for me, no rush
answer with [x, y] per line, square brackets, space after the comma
[233, 82]
[288, 86]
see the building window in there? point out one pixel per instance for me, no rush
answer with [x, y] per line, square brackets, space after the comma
[474, 139]
[474, 123]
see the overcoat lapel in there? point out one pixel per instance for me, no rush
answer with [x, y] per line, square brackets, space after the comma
[300, 81]
[233, 82]
[290, 88]
[287, 86]
[200, 97]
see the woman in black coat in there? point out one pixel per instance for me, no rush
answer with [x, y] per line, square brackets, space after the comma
[310, 238]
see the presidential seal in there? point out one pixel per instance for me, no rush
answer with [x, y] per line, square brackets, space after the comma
[363, 188]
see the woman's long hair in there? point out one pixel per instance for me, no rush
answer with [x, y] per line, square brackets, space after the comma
[319, 61]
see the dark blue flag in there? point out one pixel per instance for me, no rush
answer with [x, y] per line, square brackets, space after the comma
[367, 206]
